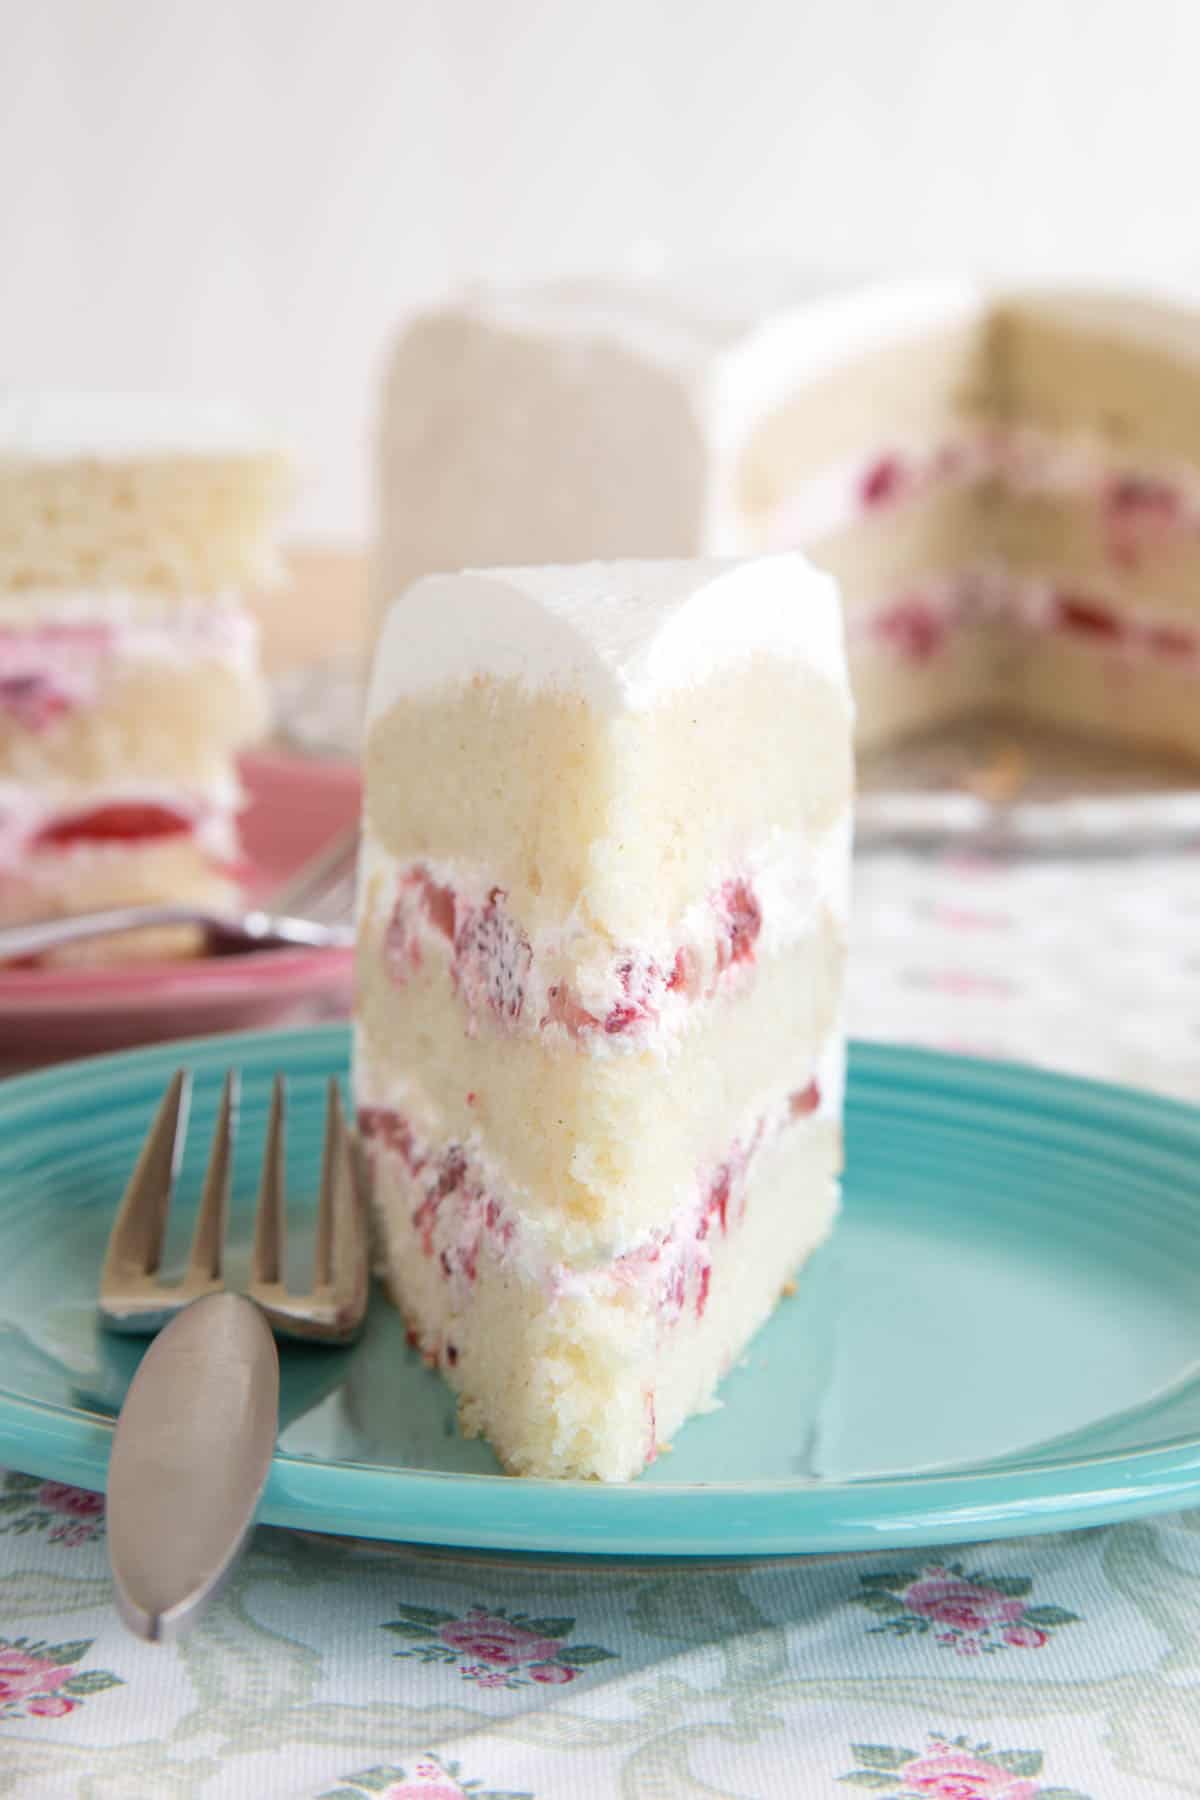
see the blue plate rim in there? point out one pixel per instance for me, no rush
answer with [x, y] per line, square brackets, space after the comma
[774, 1517]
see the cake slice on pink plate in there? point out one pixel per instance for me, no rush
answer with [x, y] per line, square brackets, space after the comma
[599, 1048]
[130, 529]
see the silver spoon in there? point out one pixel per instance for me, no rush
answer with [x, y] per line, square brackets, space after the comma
[189, 1461]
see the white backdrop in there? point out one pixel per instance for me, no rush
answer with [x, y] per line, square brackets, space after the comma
[246, 194]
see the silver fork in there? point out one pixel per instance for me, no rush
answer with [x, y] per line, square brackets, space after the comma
[311, 910]
[195, 1437]
[132, 1296]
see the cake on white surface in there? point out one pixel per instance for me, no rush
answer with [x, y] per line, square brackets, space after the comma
[129, 529]
[1005, 485]
[598, 1038]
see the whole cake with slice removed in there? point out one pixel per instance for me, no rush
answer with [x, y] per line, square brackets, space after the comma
[130, 529]
[1005, 484]
[599, 1050]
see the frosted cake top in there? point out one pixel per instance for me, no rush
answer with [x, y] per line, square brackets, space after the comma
[618, 634]
[57, 426]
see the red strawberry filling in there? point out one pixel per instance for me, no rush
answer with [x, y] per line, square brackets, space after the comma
[914, 629]
[882, 482]
[33, 702]
[491, 958]
[453, 1213]
[119, 822]
[1073, 612]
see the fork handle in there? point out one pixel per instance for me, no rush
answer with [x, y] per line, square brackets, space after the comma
[18, 941]
[190, 1457]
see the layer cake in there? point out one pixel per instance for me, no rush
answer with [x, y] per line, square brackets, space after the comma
[598, 1037]
[1006, 486]
[130, 529]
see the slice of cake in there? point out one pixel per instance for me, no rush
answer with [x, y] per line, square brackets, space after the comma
[598, 1027]
[129, 679]
[1005, 486]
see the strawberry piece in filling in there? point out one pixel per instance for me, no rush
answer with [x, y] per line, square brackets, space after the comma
[913, 628]
[882, 482]
[120, 822]
[742, 922]
[1075, 612]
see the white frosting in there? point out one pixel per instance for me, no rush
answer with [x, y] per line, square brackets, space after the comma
[49, 426]
[128, 626]
[619, 635]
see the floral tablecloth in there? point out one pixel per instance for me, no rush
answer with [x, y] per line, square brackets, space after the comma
[1029, 1670]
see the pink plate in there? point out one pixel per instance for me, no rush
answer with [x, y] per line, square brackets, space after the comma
[294, 807]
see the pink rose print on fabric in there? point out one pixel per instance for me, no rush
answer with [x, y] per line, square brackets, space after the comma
[22, 1674]
[429, 1778]
[957, 1775]
[43, 1681]
[496, 1648]
[68, 1515]
[971, 1613]
[953, 1769]
[51, 1706]
[552, 1672]
[495, 1640]
[951, 1602]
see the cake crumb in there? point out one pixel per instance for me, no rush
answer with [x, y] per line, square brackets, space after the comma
[665, 1449]
[1001, 778]
[788, 1289]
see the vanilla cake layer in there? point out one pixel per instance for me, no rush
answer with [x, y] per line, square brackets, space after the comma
[1116, 366]
[158, 494]
[624, 816]
[585, 1373]
[90, 876]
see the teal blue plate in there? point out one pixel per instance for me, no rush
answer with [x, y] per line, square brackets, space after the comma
[1003, 1336]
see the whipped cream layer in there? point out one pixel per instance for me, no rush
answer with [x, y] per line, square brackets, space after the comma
[463, 1204]
[918, 623]
[573, 983]
[40, 823]
[58, 651]
[1139, 503]
[617, 635]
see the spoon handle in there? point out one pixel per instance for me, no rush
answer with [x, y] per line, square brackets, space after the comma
[190, 1456]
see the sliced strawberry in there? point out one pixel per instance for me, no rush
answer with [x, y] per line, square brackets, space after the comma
[120, 822]
[881, 482]
[1171, 640]
[742, 921]
[804, 1101]
[1074, 612]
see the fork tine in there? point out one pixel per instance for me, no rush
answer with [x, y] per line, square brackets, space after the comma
[136, 1242]
[331, 1152]
[204, 1270]
[351, 1272]
[270, 1221]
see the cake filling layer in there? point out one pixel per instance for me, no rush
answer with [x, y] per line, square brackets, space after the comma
[58, 660]
[917, 625]
[571, 980]
[1138, 504]
[37, 825]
